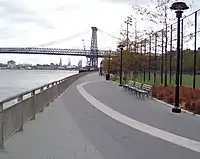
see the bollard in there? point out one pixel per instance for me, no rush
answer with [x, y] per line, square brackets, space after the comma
[1, 126]
[20, 99]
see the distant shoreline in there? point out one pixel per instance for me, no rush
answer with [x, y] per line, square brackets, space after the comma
[40, 69]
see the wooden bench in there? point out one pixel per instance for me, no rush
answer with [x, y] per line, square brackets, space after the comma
[131, 86]
[126, 86]
[139, 89]
[145, 91]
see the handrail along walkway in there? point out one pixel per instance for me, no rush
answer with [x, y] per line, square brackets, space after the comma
[15, 111]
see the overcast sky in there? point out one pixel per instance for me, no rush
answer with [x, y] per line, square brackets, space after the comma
[28, 23]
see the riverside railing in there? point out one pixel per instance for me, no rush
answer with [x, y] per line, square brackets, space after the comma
[24, 106]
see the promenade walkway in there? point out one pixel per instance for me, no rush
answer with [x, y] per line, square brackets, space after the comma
[97, 119]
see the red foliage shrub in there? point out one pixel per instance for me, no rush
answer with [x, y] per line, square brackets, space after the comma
[188, 105]
[197, 107]
[189, 98]
[160, 95]
[169, 99]
[154, 91]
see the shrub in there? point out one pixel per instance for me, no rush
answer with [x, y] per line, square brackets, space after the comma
[169, 99]
[197, 107]
[114, 78]
[188, 105]
[160, 95]
[189, 98]
[125, 78]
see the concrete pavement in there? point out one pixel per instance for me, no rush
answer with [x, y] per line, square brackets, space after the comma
[74, 128]
[53, 135]
[115, 140]
[146, 111]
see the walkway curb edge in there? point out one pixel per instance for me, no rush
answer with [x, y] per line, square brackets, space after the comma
[171, 106]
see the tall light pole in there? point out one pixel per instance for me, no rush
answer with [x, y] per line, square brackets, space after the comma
[178, 7]
[121, 46]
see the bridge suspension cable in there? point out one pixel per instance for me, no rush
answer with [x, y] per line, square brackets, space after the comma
[110, 35]
[62, 40]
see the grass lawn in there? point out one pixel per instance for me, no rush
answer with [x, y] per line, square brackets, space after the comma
[187, 80]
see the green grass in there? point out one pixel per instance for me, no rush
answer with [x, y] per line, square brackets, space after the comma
[187, 80]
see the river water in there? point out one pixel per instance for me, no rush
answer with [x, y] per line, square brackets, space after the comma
[16, 81]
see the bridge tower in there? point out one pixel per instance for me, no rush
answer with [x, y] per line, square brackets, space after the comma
[94, 49]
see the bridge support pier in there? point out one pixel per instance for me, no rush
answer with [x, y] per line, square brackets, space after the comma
[94, 49]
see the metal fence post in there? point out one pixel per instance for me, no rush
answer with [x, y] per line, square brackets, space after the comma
[145, 51]
[161, 79]
[155, 59]
[57, 89]
[33, 105]
[195, 52]
[166, 67]
[137, 59]
[141, 69]
[149, 58]
[170, 59]
[48, 96]
[1, 126]
[41, 90]
[20, 99]
[181, 64]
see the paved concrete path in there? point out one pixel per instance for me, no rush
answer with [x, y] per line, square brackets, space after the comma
[53, 135]
[115, 140]
[85, 125]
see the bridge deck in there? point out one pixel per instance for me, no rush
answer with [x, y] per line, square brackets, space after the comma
[110, 124]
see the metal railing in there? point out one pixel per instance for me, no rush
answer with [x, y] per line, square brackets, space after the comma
[25, 105]
[160, 47]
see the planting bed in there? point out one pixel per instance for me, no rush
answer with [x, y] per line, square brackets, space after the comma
[189, 98]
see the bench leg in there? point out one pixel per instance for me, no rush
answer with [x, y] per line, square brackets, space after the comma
[143, 95]
[139, 94]
[147, 95]
[135, 92]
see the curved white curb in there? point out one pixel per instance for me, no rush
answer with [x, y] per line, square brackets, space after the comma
[167, 136]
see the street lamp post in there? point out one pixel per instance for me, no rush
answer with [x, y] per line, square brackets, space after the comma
[108, 73]
[178, 7]
[121, 46]
[109, 64]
